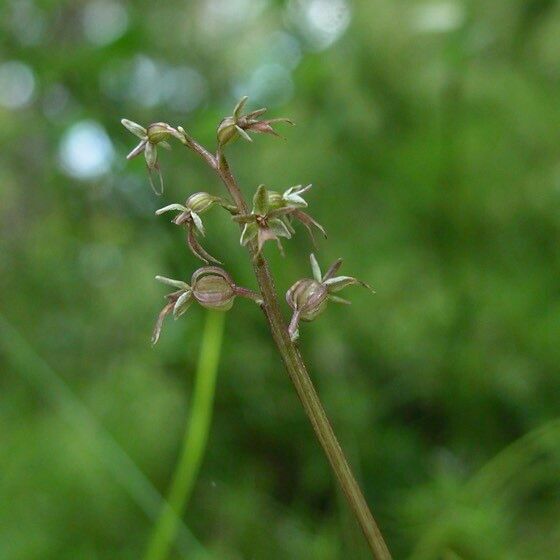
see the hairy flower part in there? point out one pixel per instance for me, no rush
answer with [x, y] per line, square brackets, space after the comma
[156, 134]
[188, 215]
[308, 297]
[272, 214]
[238, 125]
[211, 287]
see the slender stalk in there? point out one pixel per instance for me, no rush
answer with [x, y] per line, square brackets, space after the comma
[195, 439]
[297, 371]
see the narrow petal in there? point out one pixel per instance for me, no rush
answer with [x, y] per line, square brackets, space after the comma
[197, 222]
[157, 185]
[150, 153]
[135, 128]
[295, 200]
[308, 221]
[182, 304]
[243, 134]
[137, 150]
[315, 268]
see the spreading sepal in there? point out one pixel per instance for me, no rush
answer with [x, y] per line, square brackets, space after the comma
[308, 297]
[239, 125]
[272, 216]
[211, 287]
[156, 134]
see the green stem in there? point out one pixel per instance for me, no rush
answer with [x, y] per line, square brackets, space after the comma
[297, 370]
[195, 439]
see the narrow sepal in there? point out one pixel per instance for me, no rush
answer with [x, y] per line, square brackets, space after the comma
[135, 128]
[170, 208]
[278, 228]
[159, 322]
[260, 201]
[333, 269]
[137, 150]
[338, 283]
[308, 222]
[250, 231]
[179, 284]
[239, 107]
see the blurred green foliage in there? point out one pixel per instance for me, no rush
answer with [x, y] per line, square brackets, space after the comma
[431, 131]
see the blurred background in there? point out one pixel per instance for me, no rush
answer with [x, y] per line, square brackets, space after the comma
[430, 130]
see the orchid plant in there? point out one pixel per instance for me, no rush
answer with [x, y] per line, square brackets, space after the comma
[273, 216]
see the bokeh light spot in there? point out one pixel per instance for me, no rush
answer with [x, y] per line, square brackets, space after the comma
[17, 84]
[321, 22]
[269, 84]
[438, 17]
[104, 21]
[86, 152]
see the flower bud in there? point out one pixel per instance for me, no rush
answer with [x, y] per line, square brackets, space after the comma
[200, 201]
[275, 200]
[213, 288]
[157, 132]
[227, 130]
[309, 297]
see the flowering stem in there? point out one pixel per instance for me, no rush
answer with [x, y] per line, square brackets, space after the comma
[297, 370]
[195, 439]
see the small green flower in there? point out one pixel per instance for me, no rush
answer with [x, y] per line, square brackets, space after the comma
[308, 297]
[156, 134]
[272, 214]
[211, 287]
[238, 125]
[189, 216]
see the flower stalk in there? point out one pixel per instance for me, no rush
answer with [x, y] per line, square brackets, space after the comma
[213, 288]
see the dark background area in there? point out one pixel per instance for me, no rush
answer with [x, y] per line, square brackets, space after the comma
[430, 130]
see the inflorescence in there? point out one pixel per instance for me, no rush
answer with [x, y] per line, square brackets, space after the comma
[273, 217]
